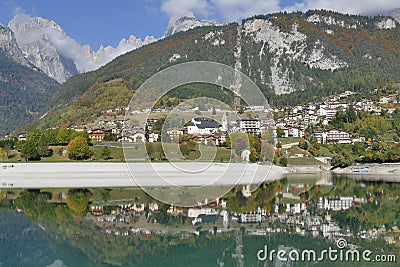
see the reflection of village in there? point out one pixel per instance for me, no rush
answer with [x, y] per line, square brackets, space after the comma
[297, 217]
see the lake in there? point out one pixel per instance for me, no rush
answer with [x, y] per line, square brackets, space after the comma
[77, 243]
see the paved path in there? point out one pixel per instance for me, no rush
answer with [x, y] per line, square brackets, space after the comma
[97, 174]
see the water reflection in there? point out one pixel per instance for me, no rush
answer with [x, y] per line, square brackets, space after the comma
[83, 243]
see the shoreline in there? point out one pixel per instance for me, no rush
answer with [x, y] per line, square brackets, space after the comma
[370, 168]
[96, 174]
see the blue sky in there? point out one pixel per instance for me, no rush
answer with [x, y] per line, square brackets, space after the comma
[96, 22]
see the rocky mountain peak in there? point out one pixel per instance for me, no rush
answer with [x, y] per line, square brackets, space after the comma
[186, 22]
[9, 45]
[45, 45]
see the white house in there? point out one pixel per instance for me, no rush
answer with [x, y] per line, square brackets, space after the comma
[174, 133]
[249, 126]
[139, 137]
[153, 137]
[293, 131]
[199, 126]
[332, 136]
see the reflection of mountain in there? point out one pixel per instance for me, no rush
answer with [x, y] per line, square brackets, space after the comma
[17, 234]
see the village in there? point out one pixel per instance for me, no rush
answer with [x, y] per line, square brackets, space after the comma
[289, 122]
[296, 215]
[213, 126]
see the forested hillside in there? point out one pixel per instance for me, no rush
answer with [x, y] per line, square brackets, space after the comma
[293, 58]
[24, 93]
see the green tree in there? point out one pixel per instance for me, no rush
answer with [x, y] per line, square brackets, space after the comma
[7, 149]
[50, 136]
[283, 161]
[280, 132]
[254, 156]
[84, 134]
[30, 146]
[64, 136]
[78, 149]
[62, 212]
[279, 145]
[358, 148]
[110, 137]
[105, 194]
[43, 147]
[78, 199]
[105, 153]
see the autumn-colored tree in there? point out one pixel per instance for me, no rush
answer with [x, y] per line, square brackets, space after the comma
[2, 153]
[78, 149]
[303, 144]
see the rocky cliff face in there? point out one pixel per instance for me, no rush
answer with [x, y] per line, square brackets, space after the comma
[37, 38]
[9, 45]
[278, 46]
[96, 59]
[42, 44]
[386, 23]
[47, 46]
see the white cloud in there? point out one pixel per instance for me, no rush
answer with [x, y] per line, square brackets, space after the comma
[346, 6]
[234, 10]
[179, 8]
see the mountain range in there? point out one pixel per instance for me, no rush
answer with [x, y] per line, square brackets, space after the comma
[36, 55]
[291, 57]
[47, 46]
